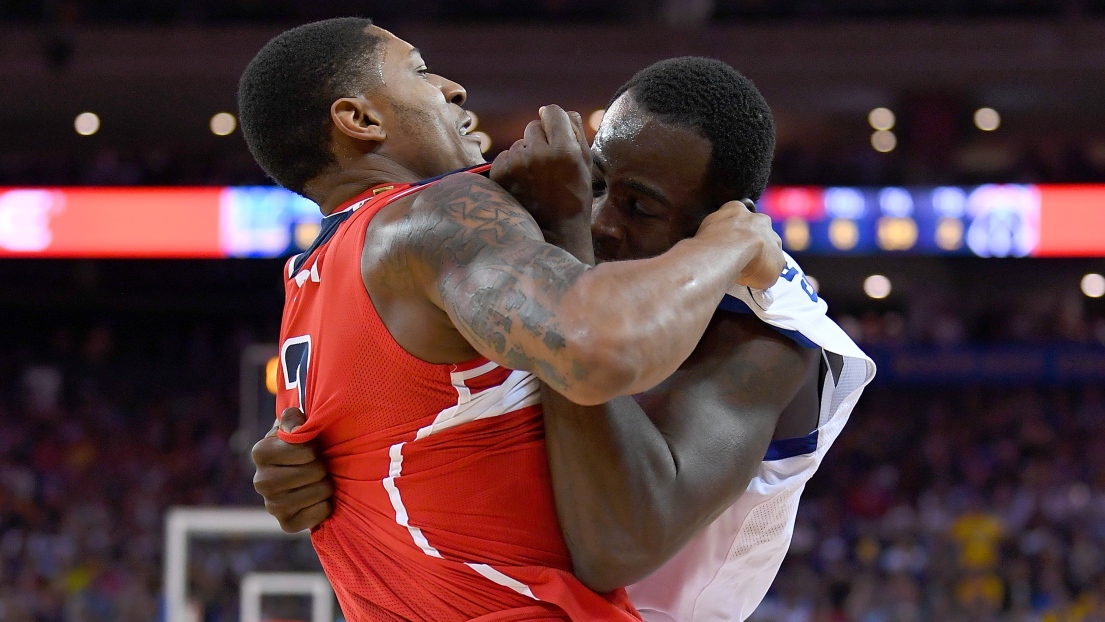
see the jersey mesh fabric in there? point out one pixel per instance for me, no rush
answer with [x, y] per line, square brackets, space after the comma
[767, 522]
[443, 507]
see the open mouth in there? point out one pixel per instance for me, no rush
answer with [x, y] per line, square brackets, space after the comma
[465, 126]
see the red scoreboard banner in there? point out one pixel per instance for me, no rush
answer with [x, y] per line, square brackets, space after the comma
[110, 222]
[993, 220]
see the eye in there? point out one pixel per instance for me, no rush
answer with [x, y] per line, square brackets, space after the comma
[422, 71]
[636, 211]
[598, 187]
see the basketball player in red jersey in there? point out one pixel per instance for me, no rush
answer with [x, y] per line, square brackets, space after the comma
[418, 324]
[634, 488]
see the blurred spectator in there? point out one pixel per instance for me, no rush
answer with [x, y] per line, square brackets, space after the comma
[1022, 539]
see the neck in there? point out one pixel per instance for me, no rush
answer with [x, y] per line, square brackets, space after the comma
[339, 186]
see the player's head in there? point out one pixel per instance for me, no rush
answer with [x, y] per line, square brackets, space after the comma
[679, 139]
[332, 93]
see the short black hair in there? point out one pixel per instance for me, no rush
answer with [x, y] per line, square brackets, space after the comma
[715, 100]
[285, 94]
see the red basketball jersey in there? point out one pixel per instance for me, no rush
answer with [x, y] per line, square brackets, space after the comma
[443, 506]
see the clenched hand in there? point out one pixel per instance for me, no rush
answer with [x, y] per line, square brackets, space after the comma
[292, 478]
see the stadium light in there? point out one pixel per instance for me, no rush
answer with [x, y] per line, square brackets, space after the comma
[884, 141]
[881, 119]
[987, 119]
[87, 123]
[876, 286]
[843, 234]
[1093, 285]
[596, 118]
[796, 234]
[223, 124]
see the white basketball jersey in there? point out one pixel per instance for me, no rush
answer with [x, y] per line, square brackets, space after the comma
[725, 571]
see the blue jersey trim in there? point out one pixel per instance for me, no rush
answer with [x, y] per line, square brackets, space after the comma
[790, 447]
[330, 223]
[479, 169]
[326, 231]
[736, 305]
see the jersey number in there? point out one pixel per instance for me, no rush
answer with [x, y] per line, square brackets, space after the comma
[295, 357]
[792, 271]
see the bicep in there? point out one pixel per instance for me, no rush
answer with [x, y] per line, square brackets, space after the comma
[636, 480]
[507, 303]
[729, 414]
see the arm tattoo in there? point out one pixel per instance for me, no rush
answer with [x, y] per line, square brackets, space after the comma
[495, 276]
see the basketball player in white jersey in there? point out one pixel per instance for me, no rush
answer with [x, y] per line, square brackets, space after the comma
[687, 494]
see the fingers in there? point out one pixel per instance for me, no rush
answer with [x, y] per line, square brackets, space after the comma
[291, 419]
[271, 450]
[558, 128]
[534, 134]
[500, 167]
[295, 500]
[272, 481]
[730, 209]
[577, 127]
[307, 518]
[302, 508]
[738, 206]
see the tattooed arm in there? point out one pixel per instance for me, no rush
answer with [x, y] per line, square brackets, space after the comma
[633, 486]
[591, 333]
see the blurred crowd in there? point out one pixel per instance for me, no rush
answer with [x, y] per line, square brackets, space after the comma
[103, 431]
[965, 162]
[1066, 324]
[1053, 161]
[938, 504]
[147, 167]
[960, 505]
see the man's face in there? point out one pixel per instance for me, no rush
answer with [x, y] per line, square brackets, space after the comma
[648, 183]
[421, 113]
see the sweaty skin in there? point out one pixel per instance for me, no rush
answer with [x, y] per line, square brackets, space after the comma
[461, 269]
[634, 480]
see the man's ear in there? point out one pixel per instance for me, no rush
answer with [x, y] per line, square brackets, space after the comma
[358, 119]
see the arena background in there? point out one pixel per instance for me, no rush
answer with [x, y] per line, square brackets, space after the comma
[959, 238]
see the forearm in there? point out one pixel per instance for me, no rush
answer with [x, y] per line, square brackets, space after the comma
[574, 236]
[636, 479]
[645, 317]
[592, 333]
[597, 473]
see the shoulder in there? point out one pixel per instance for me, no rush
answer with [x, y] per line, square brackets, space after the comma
[466, 195]
[462, 186]
[741, 350]
[729, 331]
[466, 212]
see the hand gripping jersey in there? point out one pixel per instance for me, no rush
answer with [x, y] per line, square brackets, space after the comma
[443, 506]
[724, 572]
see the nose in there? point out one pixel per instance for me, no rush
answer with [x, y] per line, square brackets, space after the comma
[453, 92]
[604, 225]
